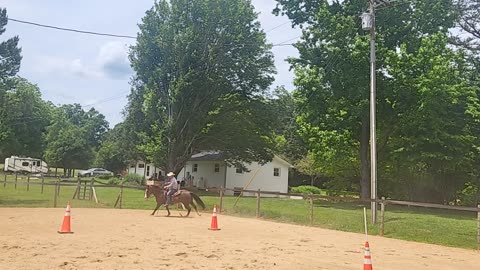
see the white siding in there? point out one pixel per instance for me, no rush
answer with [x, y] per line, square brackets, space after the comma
[263, 180]
[148, 168]
[205, 176]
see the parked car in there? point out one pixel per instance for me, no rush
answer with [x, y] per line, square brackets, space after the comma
[94, 172]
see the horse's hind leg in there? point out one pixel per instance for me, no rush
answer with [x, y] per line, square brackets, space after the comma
[168, 210]
[189, 209]
[195, 207]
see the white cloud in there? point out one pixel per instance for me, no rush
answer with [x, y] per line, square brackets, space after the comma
[110, 63]
[78, 68]
[113, 60]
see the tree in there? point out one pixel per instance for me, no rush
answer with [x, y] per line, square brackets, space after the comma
[332, 74]
[10, 59]
[469, 23]
[28, 116]
[434, 129]
[287, 140]
[113, 154]
[202, 67]
[308, 167]
[73, 137]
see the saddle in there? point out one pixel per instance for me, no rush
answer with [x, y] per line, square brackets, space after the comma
[180, 191]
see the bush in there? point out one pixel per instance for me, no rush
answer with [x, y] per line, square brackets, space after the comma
[114, 181]
[306, 190]
[104, 177]
[133, 178]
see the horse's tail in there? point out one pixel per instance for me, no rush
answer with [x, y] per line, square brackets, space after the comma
[198, 200]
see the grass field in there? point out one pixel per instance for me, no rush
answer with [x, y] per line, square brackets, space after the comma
[449, 228]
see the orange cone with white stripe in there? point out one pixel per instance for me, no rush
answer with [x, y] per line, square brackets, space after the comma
[214, 224]
[66, 221]
[367, 262]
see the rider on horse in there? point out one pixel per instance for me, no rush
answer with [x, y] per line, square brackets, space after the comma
[171, 186]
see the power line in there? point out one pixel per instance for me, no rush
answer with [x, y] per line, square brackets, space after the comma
[71, 30]
[283, 43]
[276, 27]
[107, 99]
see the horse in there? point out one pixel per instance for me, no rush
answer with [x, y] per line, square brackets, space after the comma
[183, 196]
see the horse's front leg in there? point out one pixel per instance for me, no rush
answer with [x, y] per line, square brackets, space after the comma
[156, 208]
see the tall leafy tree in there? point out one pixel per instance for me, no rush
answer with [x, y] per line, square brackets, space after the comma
[10, 59]
[73, 137]
[332, 75]
[434, 134]
[201, 69]
[115, 152]
[27, 118]
[469, 24]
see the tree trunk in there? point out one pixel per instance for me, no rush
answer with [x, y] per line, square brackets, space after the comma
[365, 164]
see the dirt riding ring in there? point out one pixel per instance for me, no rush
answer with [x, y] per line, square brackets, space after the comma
[133, 239]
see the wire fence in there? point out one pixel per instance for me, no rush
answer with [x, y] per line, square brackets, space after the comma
[307, 209]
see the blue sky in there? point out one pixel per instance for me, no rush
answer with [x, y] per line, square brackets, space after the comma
[94, 70]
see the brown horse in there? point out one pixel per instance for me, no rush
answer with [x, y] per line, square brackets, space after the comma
[184, 197]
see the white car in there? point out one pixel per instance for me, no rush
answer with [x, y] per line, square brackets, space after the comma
[94, 172]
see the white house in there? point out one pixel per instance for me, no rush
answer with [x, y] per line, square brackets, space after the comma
[208, 170]
[145, 169]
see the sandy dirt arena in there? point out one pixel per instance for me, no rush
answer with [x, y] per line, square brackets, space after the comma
[132, 239]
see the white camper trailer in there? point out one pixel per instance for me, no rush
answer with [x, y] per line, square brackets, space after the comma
[25, 165]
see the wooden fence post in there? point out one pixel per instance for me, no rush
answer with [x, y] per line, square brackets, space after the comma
[258, 204]
[90, 196]
[55, 195]
[221, 200]
[311, 209]
[4, 180]
[84, 189]
[382, 217]
[478, 227]
[121, 195]
[28, 183]
[16, 176]
[43, 182]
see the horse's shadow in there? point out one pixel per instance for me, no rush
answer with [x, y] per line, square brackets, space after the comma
[165, 216]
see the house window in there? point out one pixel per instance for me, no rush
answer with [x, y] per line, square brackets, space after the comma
[276, 171]
[195, 167]
[239, 169]
[148, 170]
[217, 167]
[141, 165]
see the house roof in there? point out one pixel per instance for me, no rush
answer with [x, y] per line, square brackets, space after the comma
[218, 156]
[207, 156]
[283, 161]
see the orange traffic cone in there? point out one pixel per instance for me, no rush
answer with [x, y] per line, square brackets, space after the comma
[214, 224]
[66, 221]
[367, 262]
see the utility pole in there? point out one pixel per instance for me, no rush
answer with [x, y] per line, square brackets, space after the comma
[368, 23]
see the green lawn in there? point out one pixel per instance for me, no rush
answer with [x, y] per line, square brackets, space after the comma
[442, 227]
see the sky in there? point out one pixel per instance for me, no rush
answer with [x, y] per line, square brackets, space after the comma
[94, 70]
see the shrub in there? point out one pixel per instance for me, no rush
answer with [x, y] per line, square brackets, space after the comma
[114, 181]
[306, 190]
[133, 178]
[104, 177]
